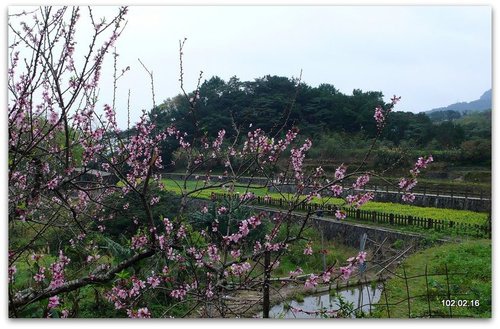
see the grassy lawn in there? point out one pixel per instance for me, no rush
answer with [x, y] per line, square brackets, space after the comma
[462, 216]
[469, 268]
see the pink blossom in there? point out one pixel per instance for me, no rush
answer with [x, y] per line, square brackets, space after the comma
[222, 210]
[298, 271]
[239, 269]
[346, 272]
[254, 221]
[153, 281]
[218, 141]
[257, 247]
[52, 184]
[308, 249]
[213, 253]
[12, 272]
[395, 99]
[340, 172]
[178, 293]
[53, 302]
[57, 269]
[236, 253]
[142, 313]
[154, 200]
[168, 225]
[361, 257]
[311, 282]
[138, 242]
[336, 190]
[181, 232]
[340, 214]
[408, 197]
[407, 184]
[361, 181]
[379, 116]
[247, 196]
[40, 276]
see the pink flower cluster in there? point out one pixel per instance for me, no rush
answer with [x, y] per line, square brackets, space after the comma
[311, 281]
[139, 241]
[298, 271]
[340, 172]
[179, 293]
[379, 116]
[213, 253]
[346, 271]
[40, 275]
[244, 229]
[247, 196]
[222, 210]
[340, 214]
[218, 141]
[258, 142]
[308, 249]
[361, 181]
[407, 184]
[336, 190]
[241, 268]
[297, 158]
[358, 200]
[141, 313]
[57, 270]
[53, 302]
[12, 272]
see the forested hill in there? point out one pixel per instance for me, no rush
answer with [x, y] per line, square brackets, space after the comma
[478, 105]
[338, 123]
[317, 111]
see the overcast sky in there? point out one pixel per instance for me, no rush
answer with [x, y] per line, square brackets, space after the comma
[432, 56]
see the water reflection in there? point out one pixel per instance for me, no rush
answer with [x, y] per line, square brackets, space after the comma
[361, 297]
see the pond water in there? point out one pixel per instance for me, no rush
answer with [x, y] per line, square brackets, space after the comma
[361, 297]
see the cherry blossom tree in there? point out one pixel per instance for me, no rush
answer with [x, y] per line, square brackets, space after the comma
[73, 171]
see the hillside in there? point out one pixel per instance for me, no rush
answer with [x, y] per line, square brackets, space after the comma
[478, 105]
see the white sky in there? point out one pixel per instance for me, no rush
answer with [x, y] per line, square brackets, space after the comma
[432, 56]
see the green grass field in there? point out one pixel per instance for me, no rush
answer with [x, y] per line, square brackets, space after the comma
[469, 279]
[462, 216]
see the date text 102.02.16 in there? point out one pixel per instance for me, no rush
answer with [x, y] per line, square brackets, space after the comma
[460, 302]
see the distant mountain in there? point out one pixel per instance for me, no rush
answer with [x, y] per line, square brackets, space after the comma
[479, 105]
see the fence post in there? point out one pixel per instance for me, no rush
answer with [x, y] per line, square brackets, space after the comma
[391, 219]
[429, 222]
[427, 289]
[407, 292]
[386, 301]
[358, 213]
[266, 305]
[448, 288]
[374, 216]
[410, 220]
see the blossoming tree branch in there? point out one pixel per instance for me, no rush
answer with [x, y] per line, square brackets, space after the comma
[64, 240]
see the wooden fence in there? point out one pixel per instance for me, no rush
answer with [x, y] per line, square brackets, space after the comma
[376, 217]
[464, 192]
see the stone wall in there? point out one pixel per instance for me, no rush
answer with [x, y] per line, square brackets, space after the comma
[425, 200]
[349, 234]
